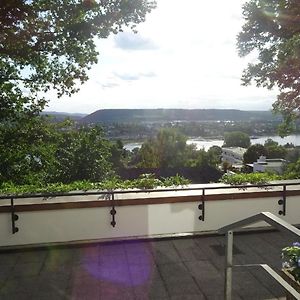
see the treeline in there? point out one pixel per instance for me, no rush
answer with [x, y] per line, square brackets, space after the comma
[141, 131]
[163, 115]
[40, 155]
[38, 152]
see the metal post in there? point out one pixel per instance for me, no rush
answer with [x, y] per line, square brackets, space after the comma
[228, 265]
[201, 206]
[283, 202]
[14, 217]
[113, 210]
[284, 199]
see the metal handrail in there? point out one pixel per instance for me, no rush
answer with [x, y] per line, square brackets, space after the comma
[263, 216]
[110, 195]
[228, 230]
[179, 189]
[276, 276]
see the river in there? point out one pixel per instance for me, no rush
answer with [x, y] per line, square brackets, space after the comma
[207, 143]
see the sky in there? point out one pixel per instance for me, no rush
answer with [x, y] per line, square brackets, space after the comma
[183, 56]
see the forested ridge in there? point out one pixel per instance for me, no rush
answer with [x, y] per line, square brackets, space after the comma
[159, 115]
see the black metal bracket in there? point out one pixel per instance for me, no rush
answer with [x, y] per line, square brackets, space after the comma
[14, 217]
[282, 202]
[113, 211]
[201, 206]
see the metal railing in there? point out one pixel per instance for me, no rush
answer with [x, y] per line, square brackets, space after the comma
[110, 195]
[136, 191]
[228, 231]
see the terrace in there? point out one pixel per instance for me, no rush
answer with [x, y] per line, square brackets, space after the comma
[161, 244]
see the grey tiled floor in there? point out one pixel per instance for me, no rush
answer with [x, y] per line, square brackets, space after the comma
[180, 269]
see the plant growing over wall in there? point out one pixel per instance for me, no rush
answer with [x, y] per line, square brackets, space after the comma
[252, 178]
[145, 181]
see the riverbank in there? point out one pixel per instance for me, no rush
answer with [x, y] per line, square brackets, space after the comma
[206, 143]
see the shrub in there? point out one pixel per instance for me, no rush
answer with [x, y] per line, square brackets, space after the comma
[291, 260]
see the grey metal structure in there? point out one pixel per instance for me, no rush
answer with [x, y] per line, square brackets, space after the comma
[228, 231]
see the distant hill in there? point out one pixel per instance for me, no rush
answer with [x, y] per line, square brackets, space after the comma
[60, 116]
[168, 115]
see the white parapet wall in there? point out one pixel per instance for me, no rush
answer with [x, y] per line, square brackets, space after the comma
[86, 223]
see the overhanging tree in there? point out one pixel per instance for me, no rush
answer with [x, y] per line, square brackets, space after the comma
[49, 45]
[272, 30]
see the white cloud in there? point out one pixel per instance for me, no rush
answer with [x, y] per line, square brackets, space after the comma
[134, 76]
[184, 56]
[133, 42]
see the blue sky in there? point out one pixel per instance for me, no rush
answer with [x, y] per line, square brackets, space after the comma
[184, 56]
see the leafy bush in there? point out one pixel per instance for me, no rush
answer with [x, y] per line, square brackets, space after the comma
[176, 180]
[291, 260]
[293, 170]
[146, 181]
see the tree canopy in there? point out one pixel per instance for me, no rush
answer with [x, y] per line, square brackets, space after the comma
[236, 139]
[46, 46]
[42, 152]
[49, 45]
[274, 150]
[293, 170]
[167, 149]
[272, 30]
[253, 153]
